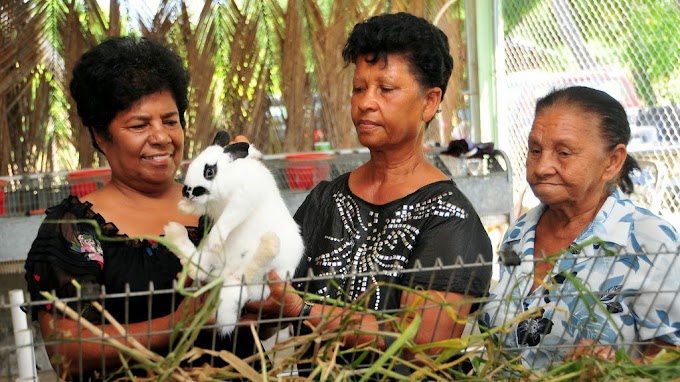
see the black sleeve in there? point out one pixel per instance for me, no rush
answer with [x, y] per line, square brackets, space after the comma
[454, 241]
[65, 249]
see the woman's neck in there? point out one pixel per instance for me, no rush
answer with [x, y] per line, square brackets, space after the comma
[391, 176]
[135, 212]
[116, 195]
[385, 170]
[572, 217]
[145, 193]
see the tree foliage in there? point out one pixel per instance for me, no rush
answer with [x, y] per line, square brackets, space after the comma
[243, 57]
[640, 35]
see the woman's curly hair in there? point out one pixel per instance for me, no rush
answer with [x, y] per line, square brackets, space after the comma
[115, 74]
[424, 45]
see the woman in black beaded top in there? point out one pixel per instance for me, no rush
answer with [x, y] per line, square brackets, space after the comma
[396, 210]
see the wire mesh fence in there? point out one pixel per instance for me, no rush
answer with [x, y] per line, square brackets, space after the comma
[32, 194]
[513, 334]
[295, 175]
[627, 48]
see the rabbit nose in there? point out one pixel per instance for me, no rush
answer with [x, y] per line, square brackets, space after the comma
[198, 191]
[193, 192]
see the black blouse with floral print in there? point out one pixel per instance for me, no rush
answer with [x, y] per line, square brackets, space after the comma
[75, 243]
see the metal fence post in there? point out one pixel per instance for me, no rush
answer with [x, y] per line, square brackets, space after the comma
[23, 338]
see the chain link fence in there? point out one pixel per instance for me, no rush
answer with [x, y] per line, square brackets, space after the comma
[628, 48]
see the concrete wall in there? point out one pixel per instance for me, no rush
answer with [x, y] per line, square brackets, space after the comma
[16, 236]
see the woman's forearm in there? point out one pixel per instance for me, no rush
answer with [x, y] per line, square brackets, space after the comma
[437, 322]
[75, 347]
[443, 314]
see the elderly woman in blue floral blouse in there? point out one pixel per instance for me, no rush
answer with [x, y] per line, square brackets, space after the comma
[586, 235]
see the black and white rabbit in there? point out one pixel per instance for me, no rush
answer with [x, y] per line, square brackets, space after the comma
[253, 231]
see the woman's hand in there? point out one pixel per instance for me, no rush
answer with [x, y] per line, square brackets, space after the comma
[189, 306]
[589, 348]
[282, 301]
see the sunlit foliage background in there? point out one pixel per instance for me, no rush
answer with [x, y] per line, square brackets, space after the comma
[269, 69]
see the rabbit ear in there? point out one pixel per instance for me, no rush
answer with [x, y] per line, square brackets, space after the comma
[222, 138]
[237, 150]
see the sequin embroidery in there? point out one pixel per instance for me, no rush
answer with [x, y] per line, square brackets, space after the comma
[372, 243]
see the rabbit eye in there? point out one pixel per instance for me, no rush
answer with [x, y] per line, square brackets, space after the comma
[210, 171]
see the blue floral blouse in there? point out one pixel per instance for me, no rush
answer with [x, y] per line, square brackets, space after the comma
[627, 259]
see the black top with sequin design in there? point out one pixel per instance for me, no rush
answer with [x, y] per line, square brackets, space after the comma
[346, 235]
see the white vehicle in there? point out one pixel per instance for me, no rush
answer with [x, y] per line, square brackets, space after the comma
[525, 88]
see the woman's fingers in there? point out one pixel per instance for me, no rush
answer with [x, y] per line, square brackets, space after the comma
[273, 276]
[590, 348]
[282, 300]
[605, 352]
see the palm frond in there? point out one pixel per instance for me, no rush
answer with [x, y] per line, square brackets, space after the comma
[76, 41]
[161, 21]
[247, 74]
[201, 48]
[295, 82]
[24, 90]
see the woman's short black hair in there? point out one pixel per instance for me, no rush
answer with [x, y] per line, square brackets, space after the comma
[424, 45]
[115, 74]
[613, 120]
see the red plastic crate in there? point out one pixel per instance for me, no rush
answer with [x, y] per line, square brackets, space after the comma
[306, 170]
[82, 182]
